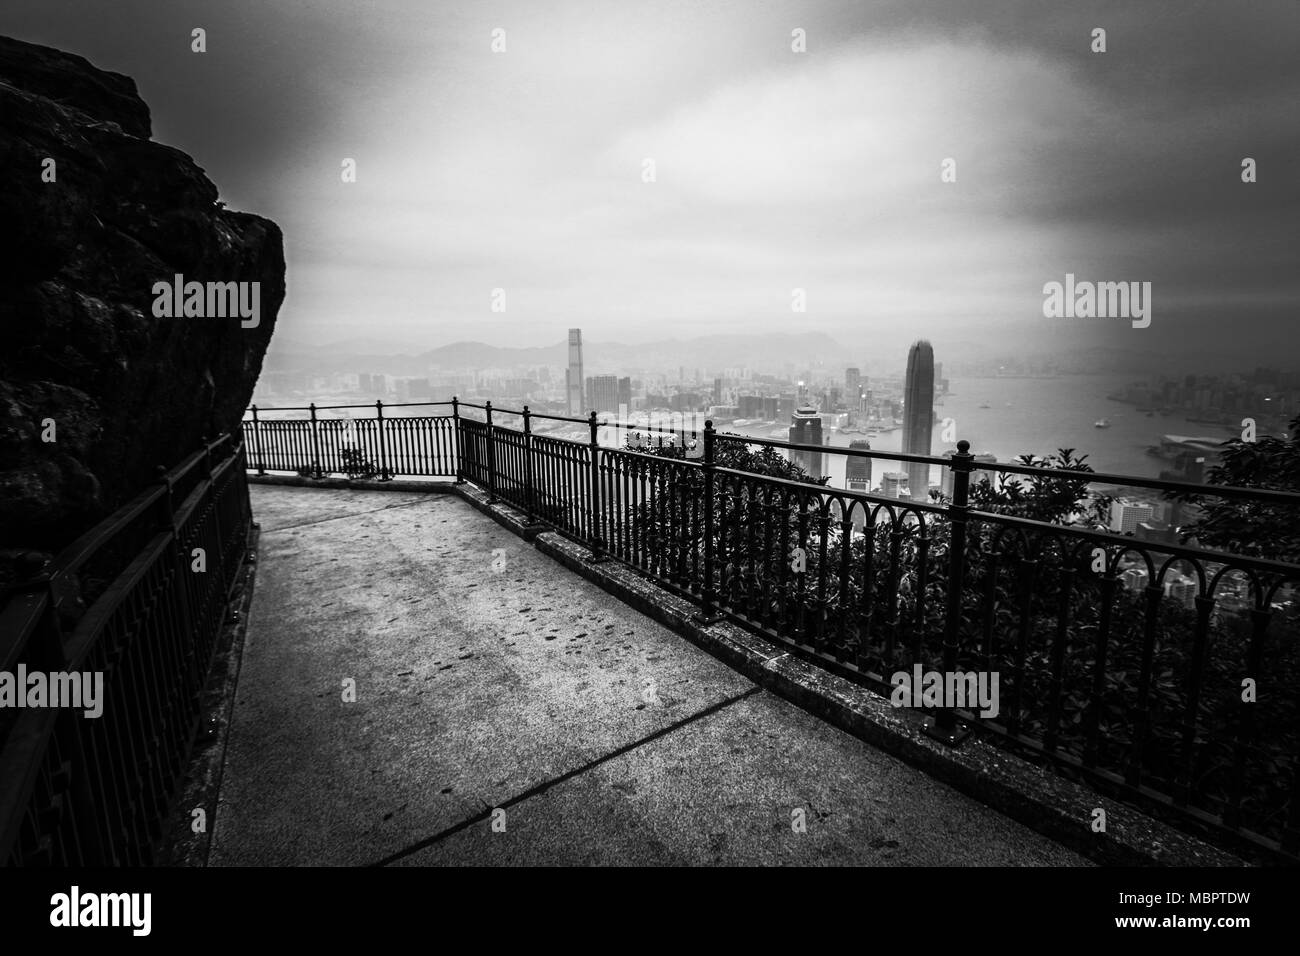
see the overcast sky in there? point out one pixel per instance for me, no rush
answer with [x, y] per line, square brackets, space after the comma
[775, 170]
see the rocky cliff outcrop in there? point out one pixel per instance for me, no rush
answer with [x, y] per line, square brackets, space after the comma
[80, 255]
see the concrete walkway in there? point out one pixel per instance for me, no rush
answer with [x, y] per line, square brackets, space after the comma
[526, 695]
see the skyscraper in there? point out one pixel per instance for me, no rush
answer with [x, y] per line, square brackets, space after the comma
[1126, 514]
[891, 483]
[918, 416]
[857, 477]
[573, 380]
[806, 429]
[852, 387]
[602, 393]
[857, 471]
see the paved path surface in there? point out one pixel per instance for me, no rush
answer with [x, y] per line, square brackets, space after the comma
[591, 734]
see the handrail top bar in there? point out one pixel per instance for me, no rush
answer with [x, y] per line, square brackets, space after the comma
[1213, 556]
[645, 430]
[907, 504]
[1103, 478]
[640, 453]
[836, 450]
[307, 408]
[79, 551]
[557, 418]
[532, 414]
[1091, 477]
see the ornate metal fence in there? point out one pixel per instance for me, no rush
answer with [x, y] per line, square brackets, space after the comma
[140, 599]
[1110, 663]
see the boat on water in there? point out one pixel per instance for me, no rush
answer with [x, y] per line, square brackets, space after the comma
[1101, 423]
[985, 405]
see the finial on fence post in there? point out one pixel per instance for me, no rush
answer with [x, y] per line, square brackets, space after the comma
[945, 726]
[384, 473]
[316, 471]
[257, 434]
[594, 522]
[492, 454]
[460, 447]
[529, 504]
[708, 599]
[207, 456]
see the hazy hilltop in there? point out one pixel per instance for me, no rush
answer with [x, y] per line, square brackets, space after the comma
[713, 352]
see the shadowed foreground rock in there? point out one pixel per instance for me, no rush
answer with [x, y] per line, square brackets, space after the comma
[79, 257]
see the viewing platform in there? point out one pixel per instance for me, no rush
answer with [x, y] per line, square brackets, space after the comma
[605, 737]
[452, 640]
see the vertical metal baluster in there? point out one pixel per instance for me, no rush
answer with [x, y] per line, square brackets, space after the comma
[1097, 699]
[1246, 738]
[1142, 719]
[945, 726]
[315, 444]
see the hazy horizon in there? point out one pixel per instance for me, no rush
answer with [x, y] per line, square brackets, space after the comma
[775, 170]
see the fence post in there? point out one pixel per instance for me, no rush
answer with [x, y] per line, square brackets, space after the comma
[257, 431]
[384, 473]
[315, 445]
[34, 577]
[210, 491]
[460, 454]
[593, 498]
[708, 610]
[492, 456]
[182, 562]
[945, 726]
[528, 467]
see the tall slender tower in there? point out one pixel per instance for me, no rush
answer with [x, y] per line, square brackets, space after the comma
[918, 416]
[852, 388]
[573, 377]
[857, 477]
[806, 429]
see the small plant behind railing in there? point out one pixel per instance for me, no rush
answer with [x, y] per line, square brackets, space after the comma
[355, 466]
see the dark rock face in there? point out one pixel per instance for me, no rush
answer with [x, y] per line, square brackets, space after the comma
[79, 257]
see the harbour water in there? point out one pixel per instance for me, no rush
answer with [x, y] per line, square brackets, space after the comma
[1036, 416]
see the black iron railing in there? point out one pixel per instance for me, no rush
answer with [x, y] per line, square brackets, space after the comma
[139, 599]
[1125, 660]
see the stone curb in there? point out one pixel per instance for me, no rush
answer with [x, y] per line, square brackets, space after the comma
[436, 486]
[201, 785]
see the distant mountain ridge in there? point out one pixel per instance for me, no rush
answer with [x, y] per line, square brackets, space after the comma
[713, 351]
